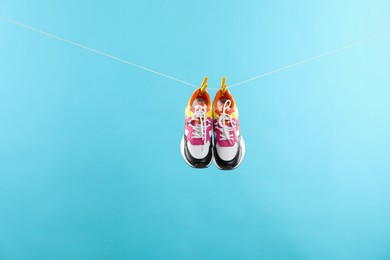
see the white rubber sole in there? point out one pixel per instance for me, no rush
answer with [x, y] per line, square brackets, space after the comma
[242, 144]
[185, 159]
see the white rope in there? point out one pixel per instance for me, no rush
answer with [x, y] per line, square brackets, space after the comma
[95, 51]
[319, 56]
[316, 57]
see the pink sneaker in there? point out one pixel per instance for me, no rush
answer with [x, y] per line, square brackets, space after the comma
[196, 144]
[229, 147]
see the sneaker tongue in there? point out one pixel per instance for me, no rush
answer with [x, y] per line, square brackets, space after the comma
[221, 104]
[200, 105]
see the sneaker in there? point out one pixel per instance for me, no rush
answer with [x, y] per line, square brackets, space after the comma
[229, 149]
[196, 144]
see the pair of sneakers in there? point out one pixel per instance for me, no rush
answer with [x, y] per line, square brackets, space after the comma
[201, 119]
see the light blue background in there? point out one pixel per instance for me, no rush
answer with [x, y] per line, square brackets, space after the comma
[90, 166]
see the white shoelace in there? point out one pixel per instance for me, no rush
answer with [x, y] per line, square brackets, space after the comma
[224, 128]
[200, 129]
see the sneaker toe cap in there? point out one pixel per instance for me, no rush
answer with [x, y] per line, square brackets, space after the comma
[227, 153]
[198, 151]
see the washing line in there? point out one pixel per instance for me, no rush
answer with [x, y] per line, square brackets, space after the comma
[95, 51]
[313, 58]
[130, 63]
